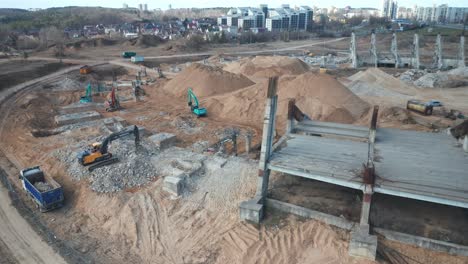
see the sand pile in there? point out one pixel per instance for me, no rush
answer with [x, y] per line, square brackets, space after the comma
[267, 66]
[206, 81]
[321, 97]
[374, 82]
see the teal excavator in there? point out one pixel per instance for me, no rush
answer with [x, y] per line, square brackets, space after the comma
[88, 98]
[193, 103]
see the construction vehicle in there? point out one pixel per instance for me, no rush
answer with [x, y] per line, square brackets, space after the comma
[45, 191]
[85, 69]
[112, 103]
[88, 96]
[419, 107]
[128, 54]
[97, 155]
[137, 59]
[193, 103]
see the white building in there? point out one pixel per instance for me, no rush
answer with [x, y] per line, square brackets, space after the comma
[389, 9]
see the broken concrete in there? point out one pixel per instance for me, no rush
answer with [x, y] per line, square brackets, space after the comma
[163, 140]
[362, 244]
[174, 184]
[252, 210]
[76, 117]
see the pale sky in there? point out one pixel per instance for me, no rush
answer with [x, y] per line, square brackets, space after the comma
[212, 3]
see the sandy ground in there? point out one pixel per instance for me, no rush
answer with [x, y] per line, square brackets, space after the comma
[145, 224]
[19, 239]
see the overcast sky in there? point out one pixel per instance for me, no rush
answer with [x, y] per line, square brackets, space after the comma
[211, 3]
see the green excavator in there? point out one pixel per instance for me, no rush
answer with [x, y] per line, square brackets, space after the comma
[193, 103]
[88, 98]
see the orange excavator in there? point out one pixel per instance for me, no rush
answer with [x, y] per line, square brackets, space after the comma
[112, 103]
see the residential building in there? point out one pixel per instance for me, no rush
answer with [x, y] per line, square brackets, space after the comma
[389, 9]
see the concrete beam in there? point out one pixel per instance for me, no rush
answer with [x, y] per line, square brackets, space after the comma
[423, 242]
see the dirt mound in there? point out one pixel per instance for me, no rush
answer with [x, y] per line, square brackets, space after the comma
[374, 82]
[145, 41]
[206, 81]
[320, 96]
[267, 66]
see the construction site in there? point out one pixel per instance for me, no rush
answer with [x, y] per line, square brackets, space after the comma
[349, 150]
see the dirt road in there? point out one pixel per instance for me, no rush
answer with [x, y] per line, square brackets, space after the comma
[22, 242]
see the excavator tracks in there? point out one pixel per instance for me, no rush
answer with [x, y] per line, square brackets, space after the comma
[103, 163]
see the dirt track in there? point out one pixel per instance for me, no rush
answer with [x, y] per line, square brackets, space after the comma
[24, 244]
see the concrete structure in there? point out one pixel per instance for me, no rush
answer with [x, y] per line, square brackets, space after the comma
[354, 57]
[461, 52]
[163, 140]
[438, 61]
[335, 153]
[389, 9]
[394, 50]
[373, 51]
[67, 119]
[415, 52]
[174, 184]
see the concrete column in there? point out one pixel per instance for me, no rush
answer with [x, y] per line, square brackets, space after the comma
[373, 51]
[253, 210]
[394, 50]
[290, 121]
[267, 137]
[438, 53]
[416, 63]
[248, 143]
[465, 143]
[354, 57]
[365, 209]
[461, 52]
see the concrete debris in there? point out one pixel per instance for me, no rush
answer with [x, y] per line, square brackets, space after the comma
[187, 124]
[432, 80]
[42, 186]
[200, 146]
[411, 75]
[174, 184]
[462, 72]
[163, 140]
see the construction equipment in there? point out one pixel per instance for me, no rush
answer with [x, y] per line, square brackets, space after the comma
[112, 103]
[128, 54]
[85, 69]
[420, 107]
[88, 97]
[97, 155]
[193, 103]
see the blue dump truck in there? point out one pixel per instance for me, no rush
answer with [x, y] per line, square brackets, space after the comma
[46, 192]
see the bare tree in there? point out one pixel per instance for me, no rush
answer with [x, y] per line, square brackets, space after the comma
[53, 36]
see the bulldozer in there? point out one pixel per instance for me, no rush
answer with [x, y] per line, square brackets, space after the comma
[97, 155]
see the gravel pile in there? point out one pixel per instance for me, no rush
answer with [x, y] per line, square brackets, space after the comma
[133, 169]
[411, 75]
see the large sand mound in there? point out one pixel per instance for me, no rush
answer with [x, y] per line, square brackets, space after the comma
[320, 96]
[206, 81]
[268, 66]
[374, 82]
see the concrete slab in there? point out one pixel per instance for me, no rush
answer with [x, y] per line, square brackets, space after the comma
[362, 244]
[77, 117]
[80, 107]
[163, 140]
[174, 184]
[252, 210]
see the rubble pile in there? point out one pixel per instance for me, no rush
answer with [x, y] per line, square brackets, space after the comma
[411, 75]
[133, 169]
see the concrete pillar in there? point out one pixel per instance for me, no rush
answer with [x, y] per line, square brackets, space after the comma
[415, 62]
[248, 143]
[461, 52]
[465, 143]
[354, 57]
[394, 50]
[290, 121]
[438, 53]
[252, 210]
[365, 209]
[373, 51]
[234, 143]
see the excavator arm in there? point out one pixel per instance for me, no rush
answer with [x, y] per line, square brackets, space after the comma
[192, 99]
[120, 134]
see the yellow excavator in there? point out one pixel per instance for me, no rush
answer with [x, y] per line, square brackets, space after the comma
[98, 155]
